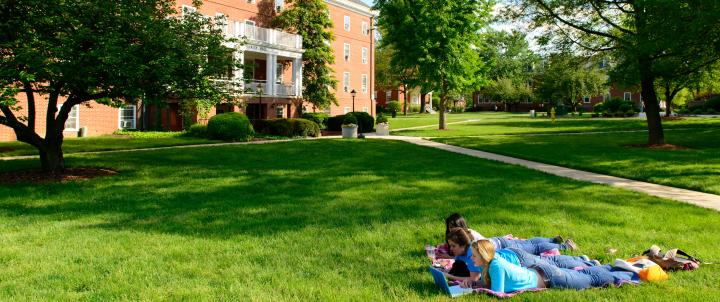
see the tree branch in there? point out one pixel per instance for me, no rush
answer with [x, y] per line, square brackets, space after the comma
[556, 16]
[590, 48]
[31, 105]
[608, 21]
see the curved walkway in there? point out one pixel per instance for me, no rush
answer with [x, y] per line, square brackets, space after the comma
[701, 199]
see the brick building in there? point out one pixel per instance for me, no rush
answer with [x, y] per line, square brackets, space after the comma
[274, 77]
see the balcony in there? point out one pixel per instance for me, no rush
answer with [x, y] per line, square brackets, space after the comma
[252, 87]
[268, 36]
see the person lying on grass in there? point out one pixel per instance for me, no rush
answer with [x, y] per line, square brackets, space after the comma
[535, 246]
[500, 275]
[460, 240]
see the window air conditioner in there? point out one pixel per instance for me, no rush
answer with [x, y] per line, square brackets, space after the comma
[278, 8]
[125, 124]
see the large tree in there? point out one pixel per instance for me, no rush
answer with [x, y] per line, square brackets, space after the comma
[643, 31]
[569, 78]
[108, 51]
[308, 19]
[437, 37]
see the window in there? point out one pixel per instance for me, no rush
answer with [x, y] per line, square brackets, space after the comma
[363, 83]
[388, 95]
[365, 30]
[237, 29]
[346, 81]
[327, 110]
[627, 96]
[347, 23]
[346, 52]
[250, 1]
[375, 95]
[346, 110]
[186, 10]
[279, 111]
[365, 109]
[279, 73]
[586, 99]
[364, 55]
[73, 121]
[127, 117]
[221, 22]
[250, 22]
[606, 97]
[279, 5]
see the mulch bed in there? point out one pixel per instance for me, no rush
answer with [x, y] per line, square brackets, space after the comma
[328, 133]
[38, 176]
[661, 147]
[672, 118]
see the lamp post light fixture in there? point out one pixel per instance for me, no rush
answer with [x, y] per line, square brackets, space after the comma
[353, 93]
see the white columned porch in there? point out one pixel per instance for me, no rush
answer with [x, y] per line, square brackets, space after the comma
[297, 76]
[271, 67]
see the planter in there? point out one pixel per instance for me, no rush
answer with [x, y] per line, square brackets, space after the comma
[382, 129]
[349, 131]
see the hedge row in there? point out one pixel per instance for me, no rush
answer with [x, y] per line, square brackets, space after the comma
[365, 120]
[289, 127]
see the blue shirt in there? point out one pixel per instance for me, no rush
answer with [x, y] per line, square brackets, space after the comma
[509, 256]
[507, 277]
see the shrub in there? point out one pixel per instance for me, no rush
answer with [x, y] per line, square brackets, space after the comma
[365, 121]
[197, 130]
[350, 119]
[394, 106]
[697, 111]
[711, 111]
[683, 111]
[231, 126]
[630, 113]
[599, 107]
[334, 123]
[381, 119]
[625, 107]
[561, 110]
[414, 108]
[713, 103]
[288, 127]
[319, 118]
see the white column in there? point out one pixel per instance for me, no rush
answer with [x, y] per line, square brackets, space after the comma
[271, 66]
[297, 76]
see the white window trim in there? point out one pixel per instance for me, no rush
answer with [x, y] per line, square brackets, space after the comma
[134, 118]
[627, 96]
[188, 8]
[365, 109]
[346, 51]
[224, 24]
[77, 118]
[281, 111]
[251, 1]
[365, 30]
[586, 99]
[346, 85]
[388, 95]
[364, 83]
[279, 75]
[346, 110]
[364, 55]
[346, 23]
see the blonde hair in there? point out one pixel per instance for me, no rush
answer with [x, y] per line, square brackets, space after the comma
[486, 251]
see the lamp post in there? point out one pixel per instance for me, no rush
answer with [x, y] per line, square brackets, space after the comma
[353, 93]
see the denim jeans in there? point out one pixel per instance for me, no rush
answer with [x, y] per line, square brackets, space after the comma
[561, 261]
[533, 246]
[597, 276]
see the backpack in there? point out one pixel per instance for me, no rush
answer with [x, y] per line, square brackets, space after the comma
[673, 260]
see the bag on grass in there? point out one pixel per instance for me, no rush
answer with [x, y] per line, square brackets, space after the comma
[673, 260]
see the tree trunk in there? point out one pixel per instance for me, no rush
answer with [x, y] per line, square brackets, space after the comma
[443, 101]
[668, 102]
[405, 99]
[422, 102]
[51, 154]
[652, 107]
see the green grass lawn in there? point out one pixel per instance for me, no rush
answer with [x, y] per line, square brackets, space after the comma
[696, 168]
[415, 120]
[314, 220]
[499, 123]
[130, 140]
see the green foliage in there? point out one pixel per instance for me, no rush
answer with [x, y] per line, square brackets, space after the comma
[697, 111]
[288, 127]
[318, 117]
[334, 123]
[711, 111]
[350, 119]
[231, 126]
[394, 106]
[569, 78]
[197, 130]
[599, 107]
[713, 103]
[365, 121]
[307, 18]
[381, 119]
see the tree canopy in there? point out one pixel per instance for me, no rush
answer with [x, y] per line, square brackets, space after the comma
[568, 78]
[437, 38]
[109, 51]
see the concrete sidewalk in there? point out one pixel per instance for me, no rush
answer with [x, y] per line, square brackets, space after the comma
[701, 199]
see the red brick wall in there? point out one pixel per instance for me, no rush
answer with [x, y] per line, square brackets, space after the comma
[99, 119]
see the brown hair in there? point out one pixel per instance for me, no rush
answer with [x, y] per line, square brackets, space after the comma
[486, 251]
[459, 236]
